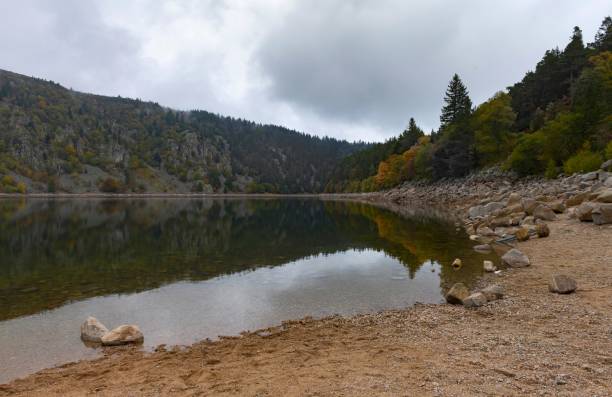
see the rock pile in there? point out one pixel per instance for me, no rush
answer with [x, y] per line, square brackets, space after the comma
[459, 294]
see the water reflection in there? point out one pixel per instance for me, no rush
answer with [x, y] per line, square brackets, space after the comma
[56, 251]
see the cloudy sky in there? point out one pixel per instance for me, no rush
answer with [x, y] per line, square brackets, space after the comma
[354, 69]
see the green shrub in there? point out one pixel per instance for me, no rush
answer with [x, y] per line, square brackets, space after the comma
[527, 156]
[609, 150]
[111, 185]
[583, 161]
[551, 170]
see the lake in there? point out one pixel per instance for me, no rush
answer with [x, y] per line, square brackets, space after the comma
[188, 269]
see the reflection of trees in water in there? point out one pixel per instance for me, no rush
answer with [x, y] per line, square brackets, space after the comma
[60, 250]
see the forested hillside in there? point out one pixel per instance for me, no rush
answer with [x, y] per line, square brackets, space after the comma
[53, 139]
[558, 118]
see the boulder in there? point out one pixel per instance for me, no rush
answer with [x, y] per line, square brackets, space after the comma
[557, 206]
[93, 330]
[489, 266]
[589, 176]
[501, 221]
[493, 206]
[522, 234]
[584, 212]
[123, 335]
[457, 294]
[486, 248]
[475, 300]
[514, 199]
[542, 230]
[608, 182]
[602, 214]
[607, 165]
[479, 211]
[605, 196]
[515, 258]
[529, 205]
[476, 211]
[528, 220]
[493, 292]
[457, 263]
[576, 199]
[485, 231]
[544, 212]
[562, 284]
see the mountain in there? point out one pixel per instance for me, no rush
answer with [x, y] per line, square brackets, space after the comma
[54, 139]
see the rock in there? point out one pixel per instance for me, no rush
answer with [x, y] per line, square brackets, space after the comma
[493, 206]
[576, 199]
[590, 176]
[528, 220]
[501, 221]
[529, 205]
[584, 212]
[476, 211]
[602, 214]
[605, 196]
[457, 294]
[542, 230]
[489, 266]
[457, 264]
[515, 258]
[607, 165]
[522, 234]
[485, 231]
[544, 212]
[482, 248]
[475, 300]
[514, 199]
[557, 206]
[562, 284]
[93, 330]
[493, 292]
[122, 335]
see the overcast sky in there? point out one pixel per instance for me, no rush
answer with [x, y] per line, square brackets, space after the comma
[354, 69]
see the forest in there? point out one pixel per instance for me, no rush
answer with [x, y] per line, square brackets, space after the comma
[557, 119]
[54, 139]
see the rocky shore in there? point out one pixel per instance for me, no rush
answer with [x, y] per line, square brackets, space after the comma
[542, 327]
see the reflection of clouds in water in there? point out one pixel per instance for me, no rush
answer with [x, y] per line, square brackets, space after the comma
[182, 313]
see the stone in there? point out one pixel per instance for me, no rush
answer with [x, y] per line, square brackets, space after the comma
[488, 266]
[557, 206]
[485, 231]
[477, 299]
[501, 221]
[576, 199]
[93, 330]
[529, 205]
[584, 212]
[562, 284]
[493, 206]
[608, 182]
[544, 212]
[542, 230]
[515, 258]
[605, 196]
[457, 263]
[482, 248]
[514, 199]
[522, 234]
[476, 211]
[602, 214]
[123, 335]
[589, 176]
[457, 294]
[493, 292]
[528, 220]
[607, 165]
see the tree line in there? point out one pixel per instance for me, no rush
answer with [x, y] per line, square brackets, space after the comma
[558, 118]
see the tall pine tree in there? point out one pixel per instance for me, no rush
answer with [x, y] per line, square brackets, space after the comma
[603, 37]
[458, 104]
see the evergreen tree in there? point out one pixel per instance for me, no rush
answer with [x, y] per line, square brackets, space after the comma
[574, 55]
[409, 137]
[458, 103]
[603, 37]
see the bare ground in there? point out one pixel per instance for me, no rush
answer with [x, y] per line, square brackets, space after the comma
[532, 342]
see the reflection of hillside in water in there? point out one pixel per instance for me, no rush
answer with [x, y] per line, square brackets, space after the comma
[55, 251]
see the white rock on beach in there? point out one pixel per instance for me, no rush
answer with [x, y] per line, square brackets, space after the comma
[122, 335]
[93, 330]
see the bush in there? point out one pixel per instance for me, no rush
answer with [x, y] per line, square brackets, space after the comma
[21, 187]
[609, 151]
[527, 156]
[583, 161]
[551, 170]
[111, 185]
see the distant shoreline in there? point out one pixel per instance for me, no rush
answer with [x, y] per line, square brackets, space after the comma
[186, 195]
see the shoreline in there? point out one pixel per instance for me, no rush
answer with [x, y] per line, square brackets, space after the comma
[512, 346]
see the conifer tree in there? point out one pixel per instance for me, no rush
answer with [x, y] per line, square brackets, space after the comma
[458, 104]
[603, 37]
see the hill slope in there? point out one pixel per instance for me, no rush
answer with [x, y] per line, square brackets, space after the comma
[55, 139]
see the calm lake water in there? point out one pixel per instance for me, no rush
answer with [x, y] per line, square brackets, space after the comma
[189, 269]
